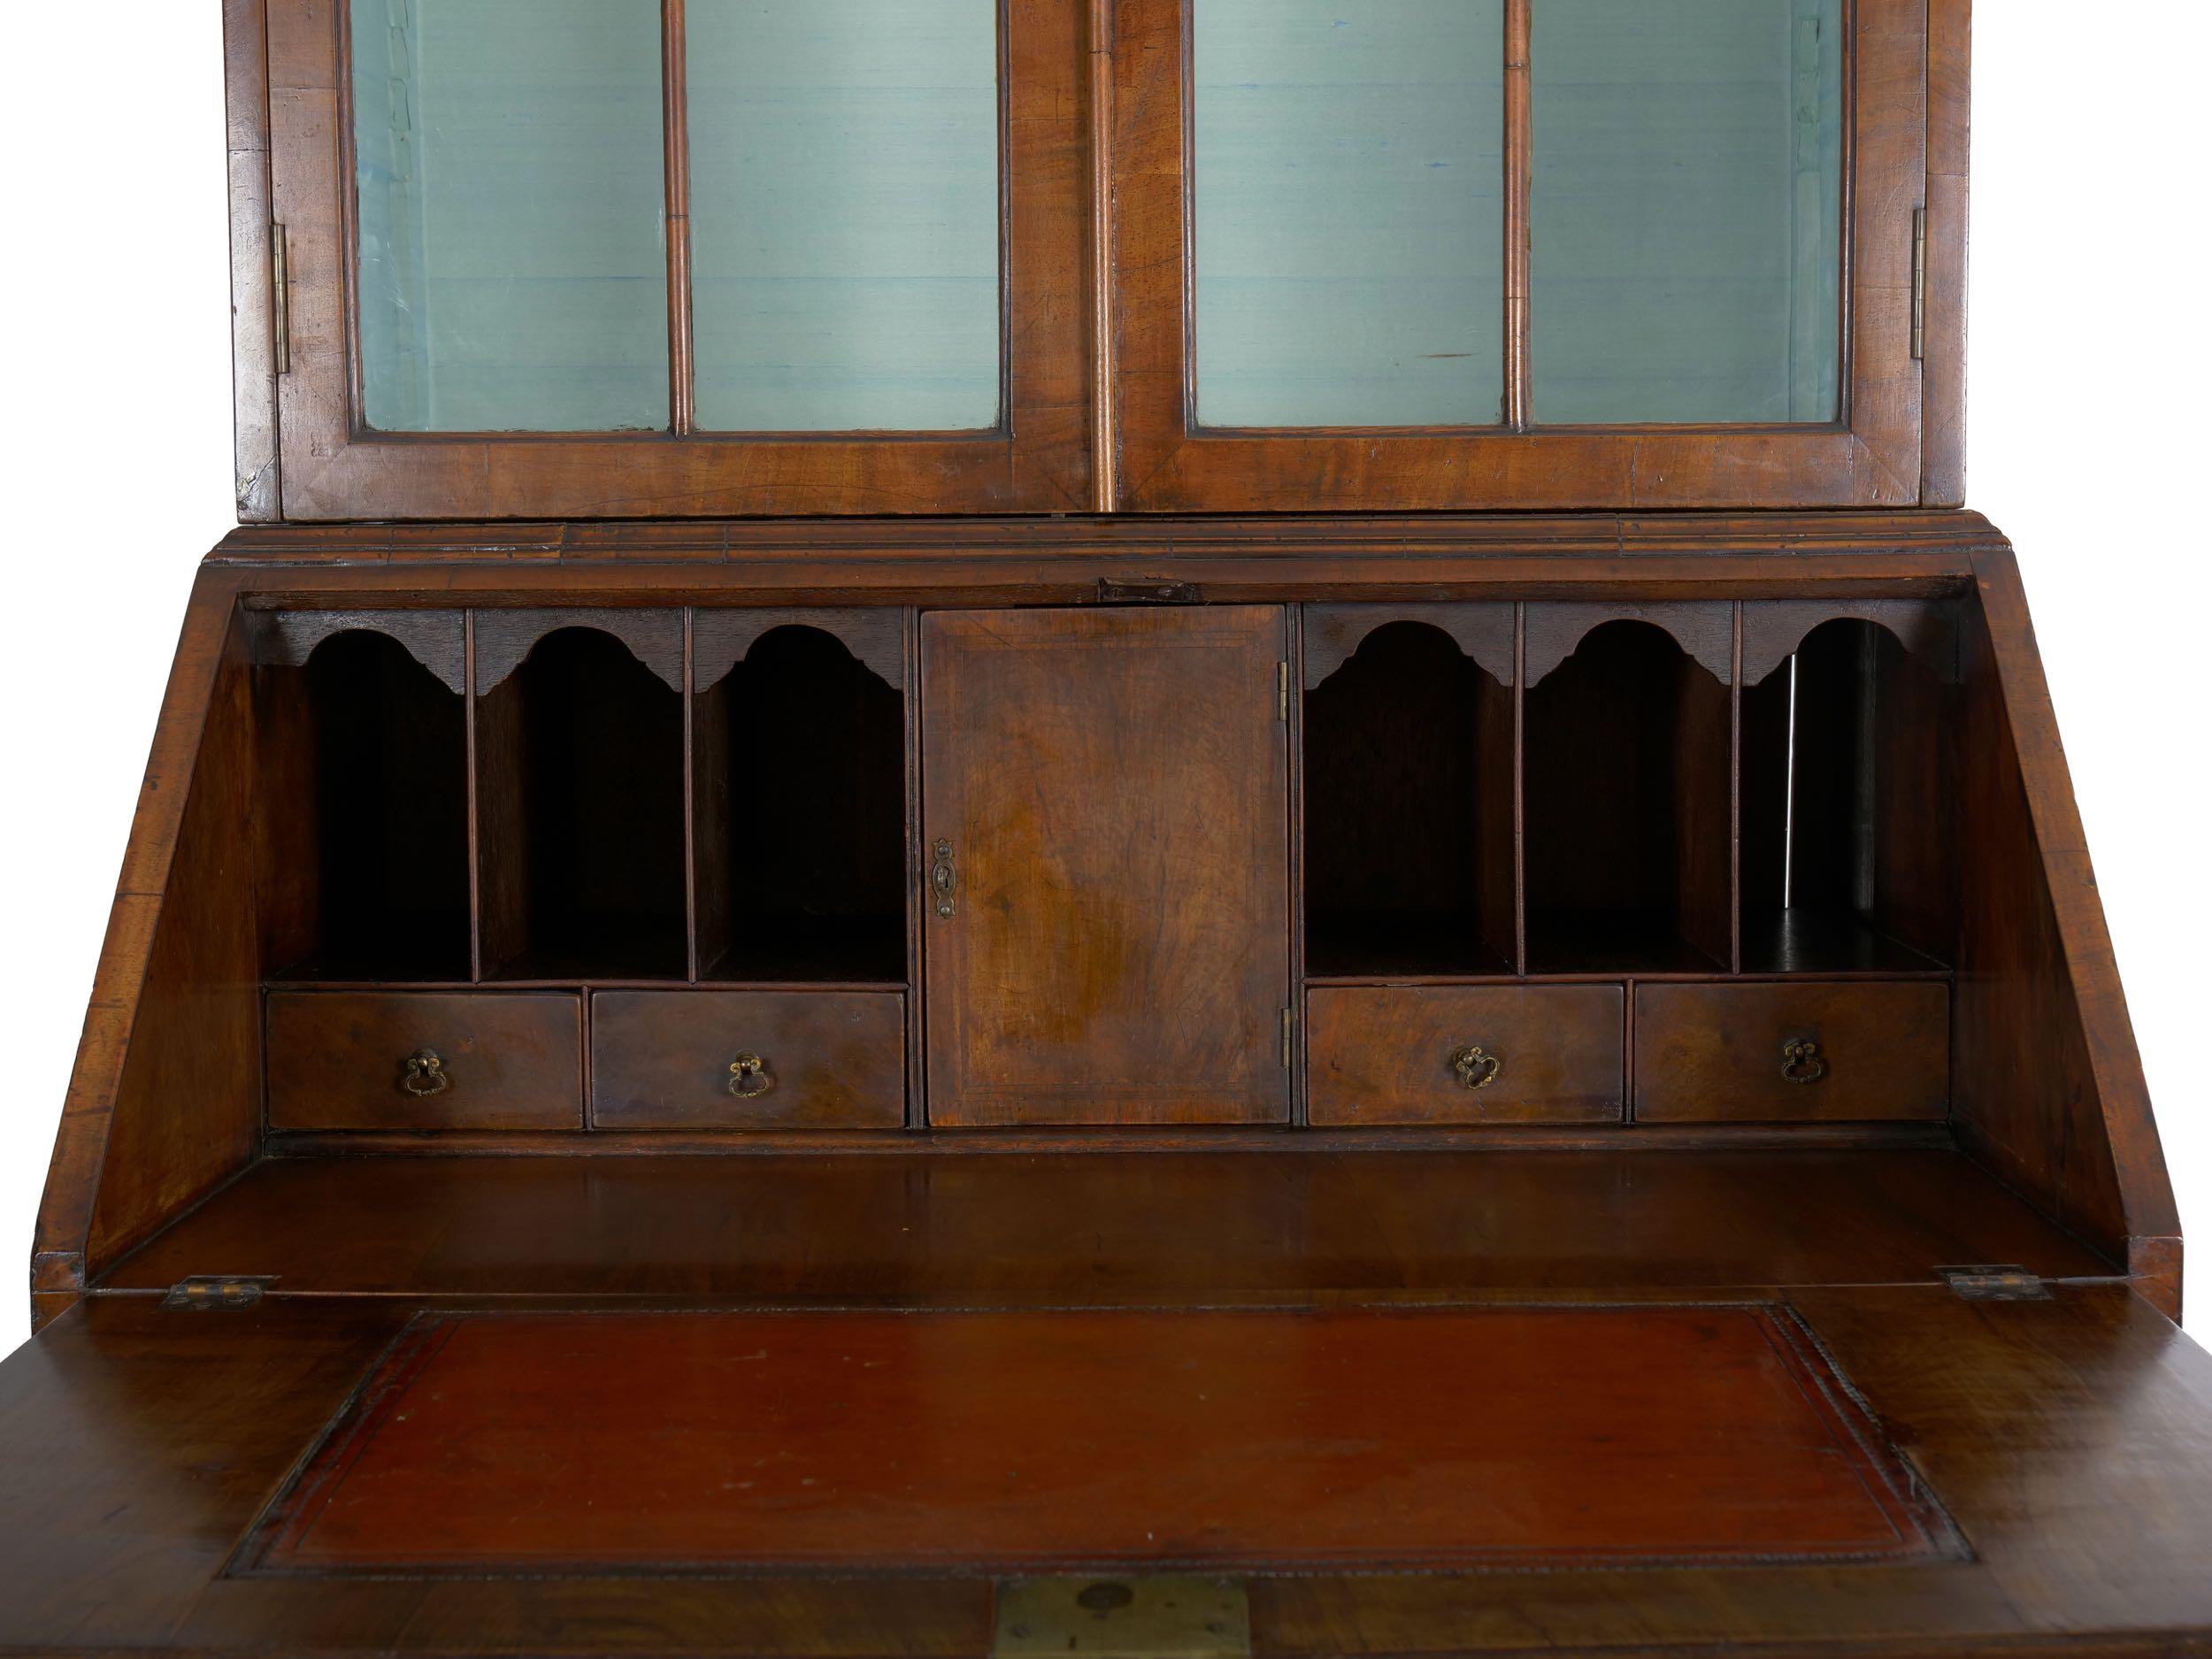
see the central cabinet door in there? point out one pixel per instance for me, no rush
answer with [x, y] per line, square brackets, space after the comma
[1106, 833]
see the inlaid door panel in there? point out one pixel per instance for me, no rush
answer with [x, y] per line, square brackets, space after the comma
[1106, 850]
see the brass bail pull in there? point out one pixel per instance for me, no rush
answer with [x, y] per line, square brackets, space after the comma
[424, 1073]
[1801, 1063]
[1476, 1067]
[750, 1077]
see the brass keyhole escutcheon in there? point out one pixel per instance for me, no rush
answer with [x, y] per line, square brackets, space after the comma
[423, 1074]
[942, 879]
[1476, 1067]
[749, 1078]
[1801, 1063]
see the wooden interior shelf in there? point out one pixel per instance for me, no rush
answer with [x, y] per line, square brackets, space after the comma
[953, 1228]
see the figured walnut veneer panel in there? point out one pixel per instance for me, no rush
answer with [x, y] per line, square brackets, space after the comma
[529, 1442]
[1111, 787]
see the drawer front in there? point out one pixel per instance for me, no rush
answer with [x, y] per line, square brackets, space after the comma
[1550, 1053]
[1737, 1053]
[827, 1060]
[341, 1061]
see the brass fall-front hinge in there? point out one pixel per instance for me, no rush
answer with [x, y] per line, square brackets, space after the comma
[1919, 283]
[1992, 1283]
[280, 298]
[203, 1291]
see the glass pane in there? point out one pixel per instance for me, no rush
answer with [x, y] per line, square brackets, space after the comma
[1687, 211]
[844, 214]
[1349, 207]
[508, 166]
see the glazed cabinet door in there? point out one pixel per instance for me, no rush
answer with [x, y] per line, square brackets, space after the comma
[1106, 854]
[1530, 254]
[572, 258]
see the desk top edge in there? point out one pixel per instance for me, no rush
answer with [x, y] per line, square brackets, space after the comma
[1580, 537]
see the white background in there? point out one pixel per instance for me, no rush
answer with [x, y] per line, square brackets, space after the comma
[2090, 378]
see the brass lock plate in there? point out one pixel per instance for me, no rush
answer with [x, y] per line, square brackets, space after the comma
[1122, 1617]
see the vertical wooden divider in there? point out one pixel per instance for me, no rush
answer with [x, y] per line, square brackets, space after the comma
[1519, 152]
[1735, 793]
[1098, 87]
[475, 839]
[1294, 759]
[1520, 776]
[917, 865]
[676, 168]
[691, 821]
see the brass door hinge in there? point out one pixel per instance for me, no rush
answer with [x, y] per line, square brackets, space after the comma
[1919, 283]
[281, 297]
[1282, 692]
[1139, 1616]
[217, 1290]
[1988, 1283]
[1290, 1028]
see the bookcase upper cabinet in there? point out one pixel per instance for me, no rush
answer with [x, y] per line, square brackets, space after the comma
[1525, 253]
[621, 258]
[675, 258]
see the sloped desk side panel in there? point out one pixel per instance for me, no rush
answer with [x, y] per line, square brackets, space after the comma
[2050, 1088]
[164, 1102]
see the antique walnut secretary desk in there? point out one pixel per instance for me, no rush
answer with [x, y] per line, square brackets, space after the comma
[1105, 827]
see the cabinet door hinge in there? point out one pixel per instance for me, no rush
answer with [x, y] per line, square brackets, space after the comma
[217, 1290]
[281, 297]
[1290, 1028]
[1282, 692]
[1988, 1283]
[1919, 283]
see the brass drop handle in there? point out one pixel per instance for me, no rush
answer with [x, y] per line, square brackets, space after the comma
[942, 879]
[1477, 1068]
[1801, 1063]
[424, 1073]
[750, 1077]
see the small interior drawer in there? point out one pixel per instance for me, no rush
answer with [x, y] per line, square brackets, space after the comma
[425, 1060]
[1783, 1053]
[1464, 1054]
[749, 1060]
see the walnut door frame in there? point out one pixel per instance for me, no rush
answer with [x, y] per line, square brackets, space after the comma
[1106, 807]
[1161, 461]
[304, 453]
